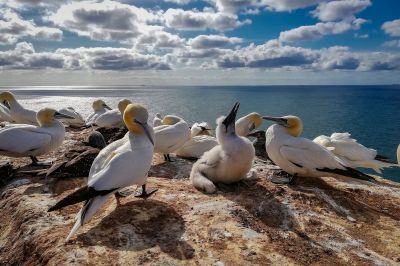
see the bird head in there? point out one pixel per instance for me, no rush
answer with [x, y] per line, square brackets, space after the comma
[99, 105]
[293, 124]
[7, 98]
[248, 123]
[123, 104]
[171, 120]
[46, 116]
[135, 119]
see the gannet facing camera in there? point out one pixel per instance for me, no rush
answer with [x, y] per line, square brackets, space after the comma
[353, 153]
[228, 162]
[22, 140]
[200, 141]
[300, 156]
[246, 124]
[124, 166]
[18, 113]
[113, 118]
[171, 135]
[99, 107]
[76, 121]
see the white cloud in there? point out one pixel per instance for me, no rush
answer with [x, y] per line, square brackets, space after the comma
[319, 30]
[212, 41]
[361, 36]
[178, 2]
[289, 5]
[392, 43]
[335, 10]
[392, 28]
[201, 20]
[13, 28]
[158, 40]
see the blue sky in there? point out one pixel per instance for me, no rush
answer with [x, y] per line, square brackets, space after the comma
[193, 42]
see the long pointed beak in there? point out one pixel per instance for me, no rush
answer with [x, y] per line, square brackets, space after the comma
[146, 130]
[279, 120]
[107, 107]
[230, 119]
[58, 115]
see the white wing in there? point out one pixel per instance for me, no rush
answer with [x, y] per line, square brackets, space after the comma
[310, 155]
[170, 138]
[347, 147]
[77, 118]
[22, 139]
[111, 118]
[5, 114]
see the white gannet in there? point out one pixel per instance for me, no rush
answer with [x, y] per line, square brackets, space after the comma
[123, 167]
[353, 153]
[76, 121]
[300, 156]
[171, 135]
[113, 118]
[21, 140]
[200, 141]
[5, 115]
[99, 107]
[228, 162]
[18, 113]
[246, 124]
[157, 121]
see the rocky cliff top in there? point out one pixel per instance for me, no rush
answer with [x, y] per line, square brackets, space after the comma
[312, 221]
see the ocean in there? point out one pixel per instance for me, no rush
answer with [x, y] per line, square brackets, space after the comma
[370, 113]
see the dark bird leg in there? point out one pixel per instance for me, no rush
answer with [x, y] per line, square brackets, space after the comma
[145, 194]
[283, 180]
[167, 158]
[36, 162]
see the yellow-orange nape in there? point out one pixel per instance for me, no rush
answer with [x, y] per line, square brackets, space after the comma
[133, 115]
[294, 125]
[123, 104]
[7, 96]
[45, 116]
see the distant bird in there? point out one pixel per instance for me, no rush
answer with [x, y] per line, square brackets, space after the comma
[21, 140]
[246, 124]
[121, 167]
[300, 156]
[99, 107]
[113, 118]
[228, 162]
[18, 113]
[200, 141]
[5, 115]
[157, 121]
[77, 120]
[171, 135]
[353, 153]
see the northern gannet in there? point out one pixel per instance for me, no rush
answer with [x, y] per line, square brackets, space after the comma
[200, 141]
[76, 121]
[300, 156]
[353, 153]
[171, 135]
[5, 115]
[246, 124]
[18, 113]
[157, 121]
[21, 140]
[113, 118]
[228, 162]
[123, 167]
[99, 107]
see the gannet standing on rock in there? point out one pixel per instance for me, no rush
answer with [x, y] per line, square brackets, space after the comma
[99, 107]
[300, 156]
[353, 153]
[171, 135]
[228, 162]
[246, 124]
[113, 118]
[76, 121]
[18, 113]
[124, 166]
[22, 140]
[200, 141]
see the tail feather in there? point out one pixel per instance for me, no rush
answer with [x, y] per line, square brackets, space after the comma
[201, 182]
[82, 194]
[349, 172]
[384, 159]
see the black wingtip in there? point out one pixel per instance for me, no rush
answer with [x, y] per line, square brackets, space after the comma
[384, 159]
[349, 172]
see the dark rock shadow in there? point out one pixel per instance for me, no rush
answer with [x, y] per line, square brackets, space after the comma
[139, 225]
[179, 168]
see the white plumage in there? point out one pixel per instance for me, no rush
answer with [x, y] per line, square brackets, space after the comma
[350, 151]
[5, 115]
[113, 118]
[246, 124]
[18, 113]
[99, 107]
[157, 121]
[76, 121]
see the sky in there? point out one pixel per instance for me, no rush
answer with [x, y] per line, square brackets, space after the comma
[199, 42]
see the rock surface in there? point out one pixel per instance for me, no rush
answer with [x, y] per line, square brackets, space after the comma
[313, 221]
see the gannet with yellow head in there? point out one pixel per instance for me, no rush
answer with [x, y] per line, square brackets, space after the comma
[77, 120]
[353, 153]
[246, 124]
[23, 140]
[171, 135]
[228, 162]
[300, 156]
[18, 113]
[99, 107]
[124, 166]
[113, 118]
[200, 141]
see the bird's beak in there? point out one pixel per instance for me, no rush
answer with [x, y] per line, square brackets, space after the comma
[6, 104]
[230, 119]
[279, 120]
[107, 107]
[58, 115]
[146, 130]
[253, 134]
